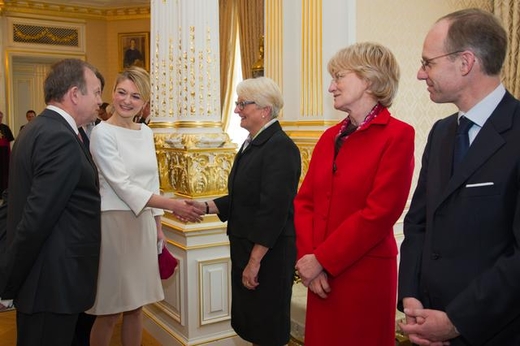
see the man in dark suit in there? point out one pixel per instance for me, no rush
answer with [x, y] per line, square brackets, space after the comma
[53, 228]
[459, 277]
[86, 321]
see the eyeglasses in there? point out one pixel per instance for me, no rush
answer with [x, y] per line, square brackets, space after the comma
[242, 104]
[426, 62]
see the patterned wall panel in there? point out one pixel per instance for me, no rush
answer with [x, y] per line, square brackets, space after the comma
[401, 25]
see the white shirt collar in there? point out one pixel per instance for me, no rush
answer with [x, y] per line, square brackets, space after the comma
[68, 118]
[271, 122]
[483, 110]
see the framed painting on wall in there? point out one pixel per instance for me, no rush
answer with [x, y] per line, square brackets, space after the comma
[134, 50]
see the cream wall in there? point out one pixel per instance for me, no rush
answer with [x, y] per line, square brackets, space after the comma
[100, 49]
[97, 48]
[103, 49]
[401, 25]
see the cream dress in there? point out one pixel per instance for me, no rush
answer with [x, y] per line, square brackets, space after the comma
[128, 175]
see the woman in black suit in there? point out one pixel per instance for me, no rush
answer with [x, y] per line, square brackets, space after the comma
[259, 211]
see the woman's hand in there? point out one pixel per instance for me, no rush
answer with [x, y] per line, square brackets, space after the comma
[186, 210]
[308, 268]
[250, 274]
[160, 233]
[320, 285]
[209, 207]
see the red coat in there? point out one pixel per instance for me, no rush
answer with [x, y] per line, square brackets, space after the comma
[346, 219]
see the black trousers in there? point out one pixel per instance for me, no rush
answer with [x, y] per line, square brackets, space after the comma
[83, 328]
[45, 329]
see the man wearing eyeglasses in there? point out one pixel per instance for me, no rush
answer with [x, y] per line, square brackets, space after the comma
[459, 276]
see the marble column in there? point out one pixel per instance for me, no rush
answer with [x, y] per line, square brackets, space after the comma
[195, 156]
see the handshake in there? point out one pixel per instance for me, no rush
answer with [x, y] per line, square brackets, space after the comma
[192, 211]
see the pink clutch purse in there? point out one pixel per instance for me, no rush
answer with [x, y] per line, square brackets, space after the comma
[167, 263]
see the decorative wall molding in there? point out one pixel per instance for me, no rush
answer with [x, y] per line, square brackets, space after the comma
[35, 34]
[215, 290]
[13, 7]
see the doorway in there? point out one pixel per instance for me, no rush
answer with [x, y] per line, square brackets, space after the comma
[25, 78]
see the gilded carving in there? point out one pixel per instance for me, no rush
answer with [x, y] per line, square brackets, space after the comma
[45, 35]
[194, 165]
[306, 154]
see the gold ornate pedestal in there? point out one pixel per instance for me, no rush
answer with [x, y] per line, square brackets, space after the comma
[194, 165]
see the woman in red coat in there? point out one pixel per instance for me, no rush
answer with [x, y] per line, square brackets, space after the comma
[355, 190]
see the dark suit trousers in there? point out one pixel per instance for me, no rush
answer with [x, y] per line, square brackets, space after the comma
[83, 328]
[45, 329]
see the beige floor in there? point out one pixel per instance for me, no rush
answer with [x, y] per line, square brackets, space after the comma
[8, 332]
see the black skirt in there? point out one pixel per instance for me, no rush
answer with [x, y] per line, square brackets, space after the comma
[262, 316]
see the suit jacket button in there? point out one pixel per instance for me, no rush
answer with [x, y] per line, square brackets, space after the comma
[435, 256]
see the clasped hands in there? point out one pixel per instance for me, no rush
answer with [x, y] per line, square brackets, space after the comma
[188, 211]
[426, 326]
[313, 276]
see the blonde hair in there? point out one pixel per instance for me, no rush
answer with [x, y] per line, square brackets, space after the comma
[141, 79]
[263, 91]
[373, 63]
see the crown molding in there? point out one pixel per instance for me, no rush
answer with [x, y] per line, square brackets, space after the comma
[16, 8]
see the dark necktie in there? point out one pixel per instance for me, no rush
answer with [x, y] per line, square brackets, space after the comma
[461, 141]
[82, 135]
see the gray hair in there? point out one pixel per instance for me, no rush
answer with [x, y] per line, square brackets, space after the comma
[263, 91]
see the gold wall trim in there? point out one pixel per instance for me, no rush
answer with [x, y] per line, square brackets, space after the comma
[207, 218]
[311, 103]
[10, 7]
[299, 135]
[166, 310]
[323, 123]
[164, 326]
[197, 247]
[185, 124]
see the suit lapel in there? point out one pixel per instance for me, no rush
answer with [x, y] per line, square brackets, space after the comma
[258, 141]
[262, 137]
[488, 141]
[446, 160]
[85, 151]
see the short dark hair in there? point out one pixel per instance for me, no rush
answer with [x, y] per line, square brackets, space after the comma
[64, 75]
[101, 79]
[480, 32]
[30, 111]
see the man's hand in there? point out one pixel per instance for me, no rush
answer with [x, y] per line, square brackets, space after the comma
[426, 326]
